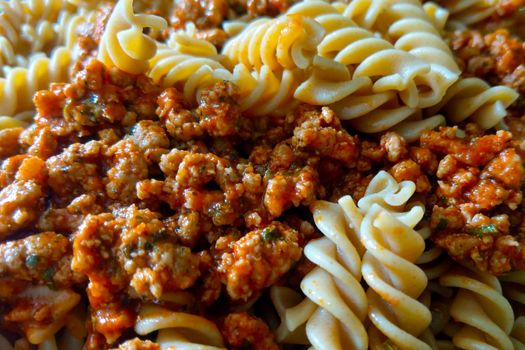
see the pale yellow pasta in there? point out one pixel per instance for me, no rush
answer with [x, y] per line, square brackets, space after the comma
[60, 302]
[518, 333]
[186, 42]
[335, 305]
[286, 42]
[264, 92]
[170, 66]
[477, 101]
[486, 317]
[12, 15]
[123, 43]
[365, 12]
[365, 54]
[194, 329]
[439, 15]
[514, 286]
[407, 25]
[20, 84]
[392, 248]
[329, 82]
[467, 12]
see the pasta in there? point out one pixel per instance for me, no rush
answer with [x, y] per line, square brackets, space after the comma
[518, 333]
[123, 45]
[474, 99]
[514, 286]
[152, 318]
[337, 321]
[388, 259]
[467, 12]
[286, 42]
[486, 316]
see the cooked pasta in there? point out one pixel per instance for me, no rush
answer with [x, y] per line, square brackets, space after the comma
[486, 316]
[518, 333]
[514, 286]
[392, 249]
[20, 84]
[123, 44]
[476, 100]
[153, 318]
[467, 12]
[337, 321]
[285, 42]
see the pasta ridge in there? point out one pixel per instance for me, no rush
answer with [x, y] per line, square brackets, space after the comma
[474, 99]
[485, 315]
[392, 248]
[20, 84]
[335, 306]
[123, 44]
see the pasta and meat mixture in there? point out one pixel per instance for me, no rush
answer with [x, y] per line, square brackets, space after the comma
[230, 174]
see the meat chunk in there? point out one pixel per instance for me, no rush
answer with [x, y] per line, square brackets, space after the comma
[43, 258]
[9, 145]
[479, 184]
[129, 248]
[137, 344]
[258, 259]
[243, 331]
[20, 206]
[76, 171]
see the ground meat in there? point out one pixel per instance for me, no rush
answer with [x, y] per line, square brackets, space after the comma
[9, 145]
[149, 137]
[478, 178]
[129, 248]
[256, 260]
[137, 344]
[203, 13]
[20, 205]
[128, 167]
[76, 171]
[243, 331]
[256, 8]
[44, 258]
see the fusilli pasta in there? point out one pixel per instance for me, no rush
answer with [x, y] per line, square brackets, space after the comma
[474, 99]
[123, 44]
[486, 316]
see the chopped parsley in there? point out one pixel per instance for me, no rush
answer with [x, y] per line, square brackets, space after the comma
[270, 234]
[442, 224]
[32, 260]
[48, 274]
[484, 229]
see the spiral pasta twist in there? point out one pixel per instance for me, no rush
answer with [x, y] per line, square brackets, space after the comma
[365, 54]
[393, 246]
[286, 42]
[484, 313]
[123, 44]
[197, 330]
[518, 333]
[474, 99]
[20, 84]
[468, 12]
[514, 286]
[409, 27]
[335, 305]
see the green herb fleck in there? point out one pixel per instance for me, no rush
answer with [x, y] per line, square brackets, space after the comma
[442, 224]
[139, 218]
[443, 201]
[270, 234]
[484, 229]
[32, 260]
[48, 274]
[158, 236]
[148, 245]
[247, 345]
